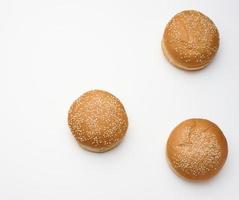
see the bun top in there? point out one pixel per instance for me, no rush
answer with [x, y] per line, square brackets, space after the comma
[98, 120]
[191, 38]
[197, 149]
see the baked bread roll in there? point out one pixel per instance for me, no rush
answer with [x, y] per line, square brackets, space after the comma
[197, 149]
[98, 121]
[190, 40]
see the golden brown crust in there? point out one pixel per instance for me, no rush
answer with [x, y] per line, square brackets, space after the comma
[176, 63]
[190, 40]
[99, 150]
[197, 149]
[98, 121]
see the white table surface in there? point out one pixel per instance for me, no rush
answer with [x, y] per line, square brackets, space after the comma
[53, 51]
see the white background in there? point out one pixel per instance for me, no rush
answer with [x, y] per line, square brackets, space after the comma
[53, 51]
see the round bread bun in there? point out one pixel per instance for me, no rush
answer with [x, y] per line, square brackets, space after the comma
[98, 121]
[190, 40]
[197, 149]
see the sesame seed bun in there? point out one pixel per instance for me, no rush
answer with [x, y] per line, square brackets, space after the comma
[190, 40]
[98, 121]
[197, 149]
